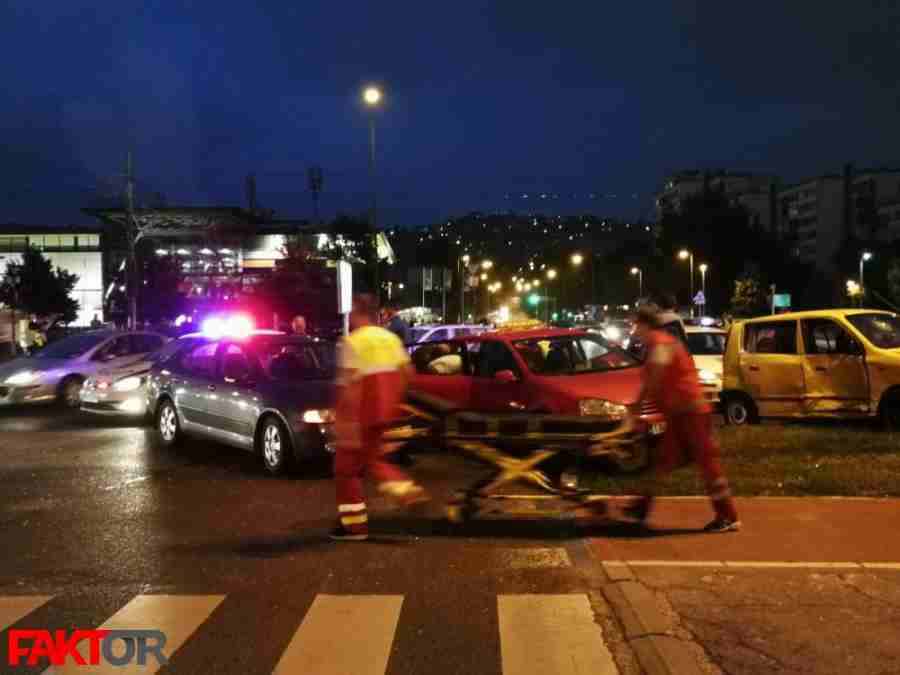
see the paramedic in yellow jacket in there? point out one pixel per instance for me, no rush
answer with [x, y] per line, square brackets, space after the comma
[373, 372]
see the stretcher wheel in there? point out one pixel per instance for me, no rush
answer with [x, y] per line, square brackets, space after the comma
[459, 512]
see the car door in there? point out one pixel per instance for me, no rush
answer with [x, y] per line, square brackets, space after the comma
[836, 378]
[232, 410]
[497, 385]
[772, 367]
[192, 382]
[441, 370]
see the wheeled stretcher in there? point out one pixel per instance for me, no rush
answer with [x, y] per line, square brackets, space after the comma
[517, 446]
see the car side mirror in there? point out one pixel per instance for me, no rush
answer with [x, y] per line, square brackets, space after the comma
[506, 376]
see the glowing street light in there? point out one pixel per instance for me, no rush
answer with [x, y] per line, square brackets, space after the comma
[863, 259]
[703, 267]
[551, 274]
[484, 276]
[536, 283]
[527, 288]
[577, 259]
[639, 273]
[684, 254]
[487, 264]
[372, 95]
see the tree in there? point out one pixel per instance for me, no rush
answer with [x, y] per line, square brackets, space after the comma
[748, 299]
[35, 287]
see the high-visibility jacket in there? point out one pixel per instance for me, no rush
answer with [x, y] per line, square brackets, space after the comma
[679, 388]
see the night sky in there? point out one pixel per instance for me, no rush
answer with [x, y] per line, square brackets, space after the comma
[486, 101]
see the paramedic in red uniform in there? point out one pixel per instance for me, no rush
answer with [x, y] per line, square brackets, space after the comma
[373, 372]
[670, 379]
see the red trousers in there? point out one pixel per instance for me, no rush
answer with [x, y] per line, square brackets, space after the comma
[689, 438]
[352, 463]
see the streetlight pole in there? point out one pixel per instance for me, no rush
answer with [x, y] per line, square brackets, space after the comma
[703, 268]
[637, 271]
[372, 97]
[684, 254]
[863, 259]
[462, 265]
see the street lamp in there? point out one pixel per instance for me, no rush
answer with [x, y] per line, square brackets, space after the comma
[703, 267]
[639, 273]
[684, 254]
[536, 283]
[551, 274]
[462, 265]
[372, 97]
[487, 264]
[863, 259]
[484, 276]
[577, 259]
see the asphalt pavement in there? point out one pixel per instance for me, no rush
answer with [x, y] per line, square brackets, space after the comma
[101, 527]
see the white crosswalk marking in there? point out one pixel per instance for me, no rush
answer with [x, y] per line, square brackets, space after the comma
[551, 634]
[178, 616]
[343, 635]
[14, 607]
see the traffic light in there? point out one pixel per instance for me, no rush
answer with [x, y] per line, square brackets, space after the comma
[534, 299]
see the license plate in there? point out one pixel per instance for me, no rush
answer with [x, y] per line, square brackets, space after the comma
[658, 428]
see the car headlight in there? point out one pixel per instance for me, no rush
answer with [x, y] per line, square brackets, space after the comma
[612, 333]
[128, 384]
[323, 416]
[707, 377]
[597, 407]
[23, 377]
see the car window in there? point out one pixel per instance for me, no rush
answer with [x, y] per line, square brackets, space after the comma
[167, 351]
[439, 334]
[290, 360]
[778, 337]
[72, 346]
[235, 364]
[441, 358]
[822, 336]
[494, 357]
[572, 355]
[115, 349]
[882, 330]
[201, 360]
[143, 343]
[706, 344]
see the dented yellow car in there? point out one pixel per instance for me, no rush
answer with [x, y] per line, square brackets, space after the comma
[830, 363]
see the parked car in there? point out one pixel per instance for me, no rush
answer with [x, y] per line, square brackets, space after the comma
[57, 372]
[549, 371]
[122, 390]
[829, 363]
[707, 346]
[443, 332]
[265, 392]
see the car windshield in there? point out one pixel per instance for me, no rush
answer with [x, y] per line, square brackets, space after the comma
[418, 333]
[706, 344]
[572, 355]
[73, 346]
[290, 360]
[882, 330]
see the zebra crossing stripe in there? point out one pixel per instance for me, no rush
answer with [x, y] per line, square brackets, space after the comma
[178, 616]
[14, 607]
[542, 634]
[343, 634]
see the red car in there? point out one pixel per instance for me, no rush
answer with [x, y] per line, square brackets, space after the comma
[558, 371]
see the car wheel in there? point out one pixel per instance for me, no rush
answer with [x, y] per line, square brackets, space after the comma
[70, 392]
[633, 460]
[274, 446]
[167, 424]
[740, 411]
[889, 412]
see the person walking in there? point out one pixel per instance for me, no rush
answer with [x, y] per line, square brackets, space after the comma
[397, 324]
[670, 380]
[373, 372]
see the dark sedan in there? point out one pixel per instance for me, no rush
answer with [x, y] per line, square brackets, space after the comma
[267, 392]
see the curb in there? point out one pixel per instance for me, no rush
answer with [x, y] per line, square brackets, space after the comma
[646, 628]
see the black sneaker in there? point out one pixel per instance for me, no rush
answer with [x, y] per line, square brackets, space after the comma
[723, 525]
[340, 533]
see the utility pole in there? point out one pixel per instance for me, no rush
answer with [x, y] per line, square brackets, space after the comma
[131, 231]
[316, 179]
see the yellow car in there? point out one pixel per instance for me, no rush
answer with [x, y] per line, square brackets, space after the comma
[841, 363]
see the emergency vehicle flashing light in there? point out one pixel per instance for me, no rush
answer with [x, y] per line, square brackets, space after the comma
[237, 326]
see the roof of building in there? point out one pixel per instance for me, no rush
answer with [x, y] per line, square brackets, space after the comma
[172, 220]
[22, 228]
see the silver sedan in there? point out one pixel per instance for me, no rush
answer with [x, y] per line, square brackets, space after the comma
[267, 393]
[57, 372]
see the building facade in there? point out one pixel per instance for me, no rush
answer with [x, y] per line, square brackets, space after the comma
[76, 249]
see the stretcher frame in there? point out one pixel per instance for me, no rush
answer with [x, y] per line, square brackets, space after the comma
[531, 448]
